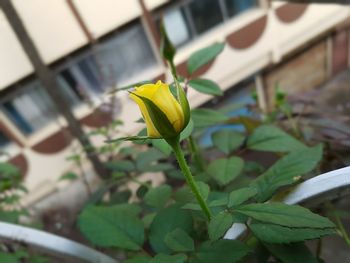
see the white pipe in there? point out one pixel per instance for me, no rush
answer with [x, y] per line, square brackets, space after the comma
[307, 190]
[52, 244]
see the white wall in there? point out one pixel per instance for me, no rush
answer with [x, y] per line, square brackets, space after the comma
[104, 16]
[52, 26]
[151, 4]
[14, 64]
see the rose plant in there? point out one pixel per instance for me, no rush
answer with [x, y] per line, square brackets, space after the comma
[173, 222]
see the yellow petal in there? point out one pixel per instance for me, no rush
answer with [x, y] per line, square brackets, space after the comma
[146, 90]
[169, 105]
[151, 130]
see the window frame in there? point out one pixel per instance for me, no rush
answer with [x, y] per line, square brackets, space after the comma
[184, 4]
[92, 50]
[19, 90]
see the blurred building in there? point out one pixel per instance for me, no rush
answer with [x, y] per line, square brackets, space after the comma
[94, 46]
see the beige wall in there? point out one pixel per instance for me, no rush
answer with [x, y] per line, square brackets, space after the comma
[151, 4]
[13, 62]
[104, 16]
[52, 26]
[302, 73]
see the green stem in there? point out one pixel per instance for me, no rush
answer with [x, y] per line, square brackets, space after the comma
[342, 229]
[197, 156]
[188, 175]
[319, 248]
[339, 223]
[174, 73]
[292, 123]
[173, 69]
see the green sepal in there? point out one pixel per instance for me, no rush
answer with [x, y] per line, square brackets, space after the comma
[167, 49]
[159, 119]
[131, 86]
[182, 99]
[130, 138]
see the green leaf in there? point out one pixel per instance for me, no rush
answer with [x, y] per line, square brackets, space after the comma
[183, 195]
[69, 176]
[241, 195]
[203, 189]
[272, 139]
[117, 175]
[192, 206]
[162, 146]
[219, 224]
[165, 222]
[138, 259]
[285, 215]
[128, 151]
[10, 176]
[8, 258]
[218, 202]
[287, 170]
[174, 174]
[206, 86]
[38, 259]
[120, 197]
[225, 170]
[227, 140]
[206, 117]
[253, 167]
[162, 258]
[279, 234]
[147, 219]
[158, 196]
[293, 253]
[167, 49]
[145, 160]
[179, 241]
[11, 216]
[203, 57]
[113, 226]
[158, 167]
[222, 251]
[121, 166]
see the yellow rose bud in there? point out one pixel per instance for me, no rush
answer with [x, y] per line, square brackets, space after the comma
[162, 113]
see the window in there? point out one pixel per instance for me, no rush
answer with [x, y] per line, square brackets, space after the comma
[82, 80]
[116, 60]
[4, 140]
[176, 24]
[194, 17]
[126, 55]
[235, 7]
[30, 110]
[205, 14]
